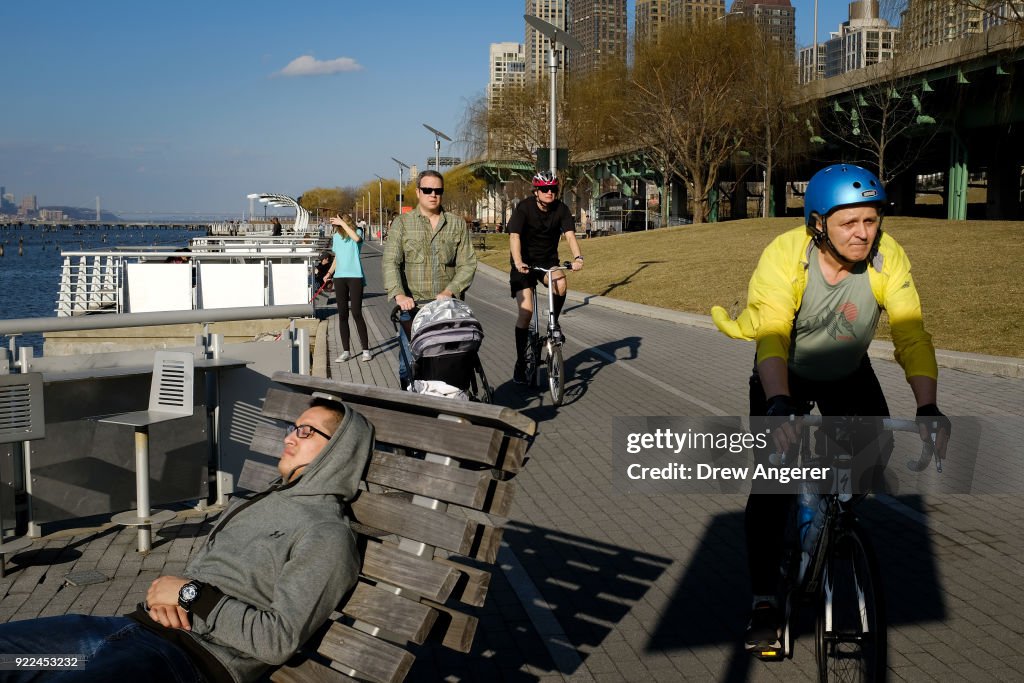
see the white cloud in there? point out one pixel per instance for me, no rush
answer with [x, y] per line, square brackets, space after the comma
[307, 65]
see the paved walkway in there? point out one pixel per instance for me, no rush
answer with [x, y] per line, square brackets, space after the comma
[597, 585]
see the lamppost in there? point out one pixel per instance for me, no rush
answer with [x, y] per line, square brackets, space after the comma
[401, 165]
[555, 35]
[380, 206]
[437, 145]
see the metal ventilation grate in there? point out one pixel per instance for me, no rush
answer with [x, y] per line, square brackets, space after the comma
[171, 391]
[21, 407]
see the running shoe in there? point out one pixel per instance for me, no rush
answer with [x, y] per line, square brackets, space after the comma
[345, 355]
[366, 355]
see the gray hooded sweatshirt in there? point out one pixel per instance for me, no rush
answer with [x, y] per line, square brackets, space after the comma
[275, 566]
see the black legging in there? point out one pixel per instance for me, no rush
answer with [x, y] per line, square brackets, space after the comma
[857, 394]
[349, 290]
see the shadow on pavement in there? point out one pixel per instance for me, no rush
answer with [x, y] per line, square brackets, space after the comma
[580, 370]
[590, 587]
[711, 603]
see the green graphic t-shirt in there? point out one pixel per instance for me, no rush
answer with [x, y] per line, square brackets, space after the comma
[835, 324]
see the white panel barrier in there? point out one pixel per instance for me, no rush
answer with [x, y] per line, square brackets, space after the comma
[159, 287]
[229, 285]
[79, 297]
[289, 284]
[64, 294]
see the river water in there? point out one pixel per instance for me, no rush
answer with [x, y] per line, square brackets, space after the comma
[29, 281]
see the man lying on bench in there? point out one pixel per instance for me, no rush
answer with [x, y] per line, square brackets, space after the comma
[269, 574]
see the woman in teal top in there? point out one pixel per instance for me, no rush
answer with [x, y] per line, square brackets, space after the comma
[347, 273]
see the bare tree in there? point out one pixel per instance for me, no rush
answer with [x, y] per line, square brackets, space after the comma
[687, 109]
[776, 121]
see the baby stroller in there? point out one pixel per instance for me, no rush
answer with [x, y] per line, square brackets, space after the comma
[443, 349]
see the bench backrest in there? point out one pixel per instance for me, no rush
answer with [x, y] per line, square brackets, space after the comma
[438, 480]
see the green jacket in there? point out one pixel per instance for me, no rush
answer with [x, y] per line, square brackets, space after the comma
[777, 287]
[420, 262]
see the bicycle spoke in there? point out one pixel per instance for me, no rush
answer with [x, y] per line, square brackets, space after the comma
[556, 374]
[851, 638]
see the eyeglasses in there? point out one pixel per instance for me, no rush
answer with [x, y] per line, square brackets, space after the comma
[306, 431]
[552, 190]
[432, 190]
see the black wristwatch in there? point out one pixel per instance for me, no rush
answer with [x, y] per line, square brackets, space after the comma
[578, 258]
[188, 594]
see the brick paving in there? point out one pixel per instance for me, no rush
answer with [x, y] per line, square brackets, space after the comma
[639, 587]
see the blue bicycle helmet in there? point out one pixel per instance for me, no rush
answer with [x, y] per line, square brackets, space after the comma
[841, 185]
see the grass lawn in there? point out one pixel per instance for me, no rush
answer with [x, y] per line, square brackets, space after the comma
[963, 271]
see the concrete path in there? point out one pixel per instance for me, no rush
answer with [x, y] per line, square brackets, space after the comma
[600, 586]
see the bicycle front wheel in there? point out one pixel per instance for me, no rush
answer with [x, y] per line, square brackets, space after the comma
[851, 636]
[556, 374]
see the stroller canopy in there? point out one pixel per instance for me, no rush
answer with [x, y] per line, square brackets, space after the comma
[445, 327]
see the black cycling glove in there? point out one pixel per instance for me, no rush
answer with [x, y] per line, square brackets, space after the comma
[929, 413]
[781, 405]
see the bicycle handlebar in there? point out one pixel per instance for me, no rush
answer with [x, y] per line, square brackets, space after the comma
[892, 424]
[567, 265]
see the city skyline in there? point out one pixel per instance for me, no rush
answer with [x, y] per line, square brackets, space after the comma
[187, 109]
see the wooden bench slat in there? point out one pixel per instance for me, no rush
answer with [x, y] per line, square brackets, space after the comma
[267, 440]
[454, 629]
[368, 656]
[308, 671]
[401, 517]
[256, 476]
[428, 578]
[473, 584]
[397, 615]
[434, 480]
[462, 441]
[284, 405]
[506, 419]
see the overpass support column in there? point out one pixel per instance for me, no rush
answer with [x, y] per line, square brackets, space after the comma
[902, 191]
[1004, 176]
[739, 199]
[678, 206]
[777, 193]
[956, 194]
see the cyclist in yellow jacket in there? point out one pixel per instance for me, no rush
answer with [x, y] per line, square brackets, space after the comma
[813, 305]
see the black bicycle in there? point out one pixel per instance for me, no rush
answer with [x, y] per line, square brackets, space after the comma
[546, 351]
[839, 575]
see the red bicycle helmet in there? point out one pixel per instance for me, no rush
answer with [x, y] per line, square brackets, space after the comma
[545, 179]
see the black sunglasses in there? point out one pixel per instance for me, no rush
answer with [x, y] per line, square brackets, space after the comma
[552, 190]
[306, 431]
[432, 190]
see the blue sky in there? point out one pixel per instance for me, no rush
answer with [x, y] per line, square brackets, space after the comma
[185, 107]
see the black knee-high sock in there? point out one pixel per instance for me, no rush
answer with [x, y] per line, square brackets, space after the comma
[559, 302]
[522, 335]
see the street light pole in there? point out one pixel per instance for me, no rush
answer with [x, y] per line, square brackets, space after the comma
[380, 206]
[554, 35]
[401, 165]
[437, 145]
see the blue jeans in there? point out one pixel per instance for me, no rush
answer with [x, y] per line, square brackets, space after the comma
[116, 648]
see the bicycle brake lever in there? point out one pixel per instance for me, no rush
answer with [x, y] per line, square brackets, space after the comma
[927, 449]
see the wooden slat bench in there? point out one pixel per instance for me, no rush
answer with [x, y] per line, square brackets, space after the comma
[439, 476]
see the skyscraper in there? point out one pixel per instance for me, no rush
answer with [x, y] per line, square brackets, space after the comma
[775, 18]
[651, 15]
[930, 22]
[693, 11]
[862, 40]
[508, 67]
[536, 45]
[600, 25]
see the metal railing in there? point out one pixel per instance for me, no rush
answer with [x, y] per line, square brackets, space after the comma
[98, 281]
